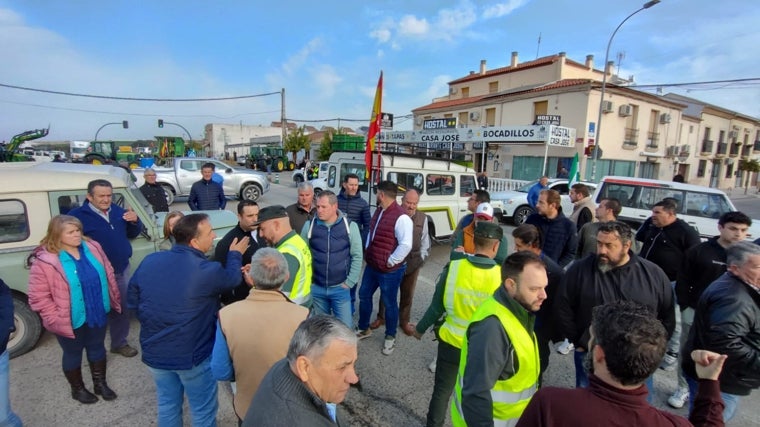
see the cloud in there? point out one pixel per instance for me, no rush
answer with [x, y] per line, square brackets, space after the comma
[445, 25]
[501, 9]
[297, 60]
[326, 79]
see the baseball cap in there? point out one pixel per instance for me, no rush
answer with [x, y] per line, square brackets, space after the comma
[485, 211]
[488, 230]
[271, 212]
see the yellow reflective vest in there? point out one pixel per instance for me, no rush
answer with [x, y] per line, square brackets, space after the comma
[510, 396]
[467, 286]
[295, 246]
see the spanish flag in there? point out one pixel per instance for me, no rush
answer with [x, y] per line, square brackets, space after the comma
[374, 127]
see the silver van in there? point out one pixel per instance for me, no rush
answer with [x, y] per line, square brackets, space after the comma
[699, 206]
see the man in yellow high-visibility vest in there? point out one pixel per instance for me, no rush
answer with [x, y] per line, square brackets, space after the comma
[462, 286]
[499, 365]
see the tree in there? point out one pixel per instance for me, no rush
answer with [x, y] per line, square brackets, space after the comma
[325, 149]
[297, 141]
[748, 166]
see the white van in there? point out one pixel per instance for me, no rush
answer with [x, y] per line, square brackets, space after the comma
[444, 185]
[699, 206]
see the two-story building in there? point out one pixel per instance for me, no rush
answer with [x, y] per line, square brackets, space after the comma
[641, 134]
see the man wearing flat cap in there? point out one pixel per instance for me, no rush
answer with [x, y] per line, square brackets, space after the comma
[274, 227]
[462, 286]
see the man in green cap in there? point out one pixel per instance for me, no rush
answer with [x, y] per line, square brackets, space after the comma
[462, 286]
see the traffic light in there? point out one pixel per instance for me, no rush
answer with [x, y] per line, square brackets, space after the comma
[125, 124]
[160, 123]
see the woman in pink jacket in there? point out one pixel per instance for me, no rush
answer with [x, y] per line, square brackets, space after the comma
[72, 286]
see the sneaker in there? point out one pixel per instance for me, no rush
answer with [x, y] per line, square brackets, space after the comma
[669, 362]
[126, 350]
[433, 364]
[679, 398]
[565, 347]
[366, 333]
[389, 345]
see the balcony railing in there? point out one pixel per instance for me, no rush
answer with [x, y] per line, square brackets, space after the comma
[631, 138]
[653, 139]
[707, 146]
[734, 150]
[722, 149]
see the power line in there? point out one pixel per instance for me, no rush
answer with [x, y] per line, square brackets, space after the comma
[754, 80]
[122, 98]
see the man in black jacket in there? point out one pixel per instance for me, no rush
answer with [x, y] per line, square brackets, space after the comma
[702, 265]
[248, 215]
[614, 273]
[153, 192]
[726, 322]
[666, 240]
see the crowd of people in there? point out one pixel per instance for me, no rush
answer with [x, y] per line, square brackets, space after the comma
[571, 280]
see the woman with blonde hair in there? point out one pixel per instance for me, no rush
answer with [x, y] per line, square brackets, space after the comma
[171, 219]
[72, 286]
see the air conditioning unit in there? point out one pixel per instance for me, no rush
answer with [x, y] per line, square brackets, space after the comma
[452, 90]
[673, 151]
[625, 110]
[733, 134]
[685, 149]
[664, 118]
[607, 106]
[474, 116]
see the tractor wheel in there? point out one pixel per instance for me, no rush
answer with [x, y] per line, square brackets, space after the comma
[291, 165]
[134, 165]
[278, 165]
[95, 159]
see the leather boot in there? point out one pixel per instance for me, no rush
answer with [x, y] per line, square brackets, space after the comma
[78, 392]
[99, 384]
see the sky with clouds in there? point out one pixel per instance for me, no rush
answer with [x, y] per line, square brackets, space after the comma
[327, 56]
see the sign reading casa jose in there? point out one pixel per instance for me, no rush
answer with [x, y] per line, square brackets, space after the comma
[561, 136]
[505, 135]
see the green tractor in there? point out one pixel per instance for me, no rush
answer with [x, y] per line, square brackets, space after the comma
[265, 157]
[9, 152]
[169, 147]
[112, 152]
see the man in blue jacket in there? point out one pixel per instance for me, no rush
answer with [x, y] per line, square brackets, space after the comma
[112, 227]
[207, 194]
[176, 295]
[536, 190]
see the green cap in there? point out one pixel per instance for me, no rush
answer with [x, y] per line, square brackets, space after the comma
[488, 230]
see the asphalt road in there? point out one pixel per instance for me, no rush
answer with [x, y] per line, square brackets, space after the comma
[395, 389]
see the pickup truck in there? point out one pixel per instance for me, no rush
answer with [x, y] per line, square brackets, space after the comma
[34, 192]
[178, 177]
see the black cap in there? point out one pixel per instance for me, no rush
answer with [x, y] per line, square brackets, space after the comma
[271, 212]
[488, 230]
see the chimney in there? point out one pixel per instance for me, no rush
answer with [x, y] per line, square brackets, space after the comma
[514, 60]
[608, 69]
[562, 54]
[590, 62]
[482, 66]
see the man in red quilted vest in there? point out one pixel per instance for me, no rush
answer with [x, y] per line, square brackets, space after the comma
[388, 244]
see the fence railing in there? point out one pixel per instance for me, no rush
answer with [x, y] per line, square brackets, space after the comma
[504, 184]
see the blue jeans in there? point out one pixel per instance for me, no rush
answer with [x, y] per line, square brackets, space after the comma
[85, 338]
[200, 388]
[581, 376]
[731, 401]
[389, 284]
[333, 300]
[7, 416]
[119, 322]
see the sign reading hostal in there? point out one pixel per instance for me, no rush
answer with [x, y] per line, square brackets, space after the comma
[433, 124]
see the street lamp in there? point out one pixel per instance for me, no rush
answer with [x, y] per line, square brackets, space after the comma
[595, 154]
[124, 124]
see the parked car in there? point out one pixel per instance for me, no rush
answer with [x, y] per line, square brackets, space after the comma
[514, 204]
[699, 206]
[35, 192]
[177, 178]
